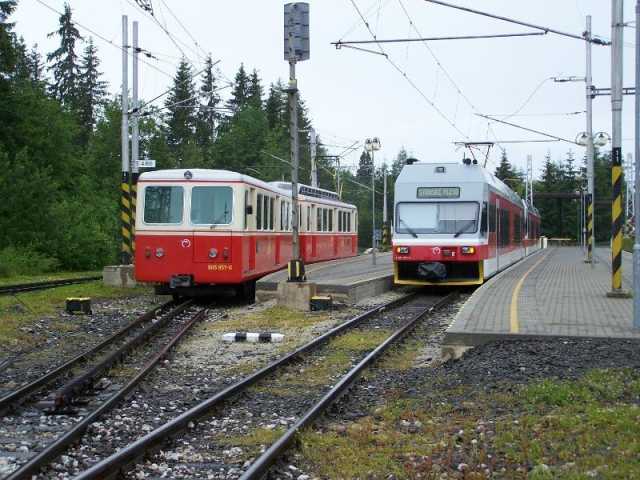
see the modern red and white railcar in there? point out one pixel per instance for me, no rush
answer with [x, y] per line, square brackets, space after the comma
[199, 230]
[457, 224]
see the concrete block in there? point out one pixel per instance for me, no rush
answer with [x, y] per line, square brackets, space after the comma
[296, 296]
[121, 276]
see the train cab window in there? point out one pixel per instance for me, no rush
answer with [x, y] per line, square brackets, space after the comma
[246, 209]
[265, 212]
[330, 214]
[340, 214]
[163, 205]
[324, 219]
[318, 219]
[348, 221]
[259, 206]
[484, 219]
[272, 212]
[437, 217]
[211, 205]
[308, 219]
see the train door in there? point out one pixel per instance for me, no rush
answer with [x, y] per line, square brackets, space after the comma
[251, 227]
[498, 234]
[314, 238]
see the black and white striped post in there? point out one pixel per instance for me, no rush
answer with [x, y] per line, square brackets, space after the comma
[125, 201]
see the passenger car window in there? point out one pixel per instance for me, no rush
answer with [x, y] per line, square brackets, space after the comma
[163, 205]
[211, 205]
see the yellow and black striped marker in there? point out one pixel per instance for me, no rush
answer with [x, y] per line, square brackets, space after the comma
[296, 271]
[589, 200]
[385, 236]
[125, 217]
[134, 208]
[616, 225]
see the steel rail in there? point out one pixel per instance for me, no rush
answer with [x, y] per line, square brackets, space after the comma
[30, 287]
[260, 466]
[61, 444]
[128, 454]
[18, 395]
[63, 396]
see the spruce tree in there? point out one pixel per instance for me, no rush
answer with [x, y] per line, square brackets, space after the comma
[240, 93]
[64, 62]
[276, 105]
[254, 90]
[208, 116]
[508, 174]
[36, 67]
[181, 116]
[91, 92]
[7, 37]
[365, 168]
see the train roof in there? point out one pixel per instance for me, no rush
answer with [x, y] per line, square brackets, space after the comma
[210, 175]
[452, 174]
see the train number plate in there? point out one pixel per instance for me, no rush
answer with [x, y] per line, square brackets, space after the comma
[220, 268]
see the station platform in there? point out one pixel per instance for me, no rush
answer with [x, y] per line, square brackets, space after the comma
[348, 279]
[553, 293]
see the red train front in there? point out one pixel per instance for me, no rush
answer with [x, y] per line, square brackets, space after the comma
[199, 231]
[457, 224]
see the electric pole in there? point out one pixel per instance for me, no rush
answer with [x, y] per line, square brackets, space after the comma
[636, 244]
[135, 138]
[617, 27]
[372, 146]
[590, 200]
[296, 29]
[125, 202]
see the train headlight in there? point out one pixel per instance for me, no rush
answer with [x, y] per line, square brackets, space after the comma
[468, 250]
[159, 252]
[213, 253]
[403, 250]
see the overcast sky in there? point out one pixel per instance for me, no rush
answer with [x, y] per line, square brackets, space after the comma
[354, 95]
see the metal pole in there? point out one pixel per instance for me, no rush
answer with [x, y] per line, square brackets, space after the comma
[636, 244]
[314, 147]
[590, 149]
[135, 139]
[125, 214]
[296, 267]
[373, 207]
[385, 218]
[617, 21]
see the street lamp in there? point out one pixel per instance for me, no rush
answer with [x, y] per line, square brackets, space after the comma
[372, 145]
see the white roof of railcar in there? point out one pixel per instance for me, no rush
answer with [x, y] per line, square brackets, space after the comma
[210, 175]
[454, 174]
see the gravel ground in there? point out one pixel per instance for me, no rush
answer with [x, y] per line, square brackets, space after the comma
[201, 365]
[494, 368]
[64, 336]
[223, 446]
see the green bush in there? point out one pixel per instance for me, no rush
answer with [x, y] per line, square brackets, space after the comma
[25, 261]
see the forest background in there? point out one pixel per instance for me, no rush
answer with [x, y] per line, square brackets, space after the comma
[60, 161]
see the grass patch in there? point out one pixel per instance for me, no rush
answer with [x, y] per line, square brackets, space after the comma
[588, 428]
[403, 357]
[18, 279]
[271, 319]
[255, 438]
[19, 311]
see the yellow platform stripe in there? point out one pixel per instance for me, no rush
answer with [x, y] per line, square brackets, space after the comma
[514, 322]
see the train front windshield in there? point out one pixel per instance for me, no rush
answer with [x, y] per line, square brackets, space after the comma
[437, 218]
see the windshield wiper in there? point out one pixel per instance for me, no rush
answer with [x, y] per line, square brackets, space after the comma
[461, 231]
[409, 229]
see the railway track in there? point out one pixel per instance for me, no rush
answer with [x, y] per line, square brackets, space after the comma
[393, 321]
[32, 287]
[68, 391]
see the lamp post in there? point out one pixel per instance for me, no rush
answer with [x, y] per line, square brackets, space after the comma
[372, 145]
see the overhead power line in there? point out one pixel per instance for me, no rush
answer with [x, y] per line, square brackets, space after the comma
[404, 74]
[528, 129]
[186, 30]
[104, 39]
[596, 41]
[344, 43]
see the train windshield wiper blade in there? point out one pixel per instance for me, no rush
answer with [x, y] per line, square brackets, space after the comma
[461, 231]
[409, 229]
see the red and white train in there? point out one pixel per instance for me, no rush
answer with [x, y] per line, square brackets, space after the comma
[200, 230]
[457, 224]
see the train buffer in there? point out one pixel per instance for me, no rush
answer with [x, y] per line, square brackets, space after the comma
[347, 280]
[553, 293]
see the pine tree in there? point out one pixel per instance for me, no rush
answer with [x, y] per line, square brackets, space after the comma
[276, 105]
[255, 91]
[181, 117]
[365, 168]
[208, 116]
[7, 50]
[91, 90]
[65, 66]
[240, 93]
[36, 67]
[508, 174]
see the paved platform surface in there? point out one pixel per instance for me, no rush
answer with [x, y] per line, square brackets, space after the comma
[348, 279]
[551, 293]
